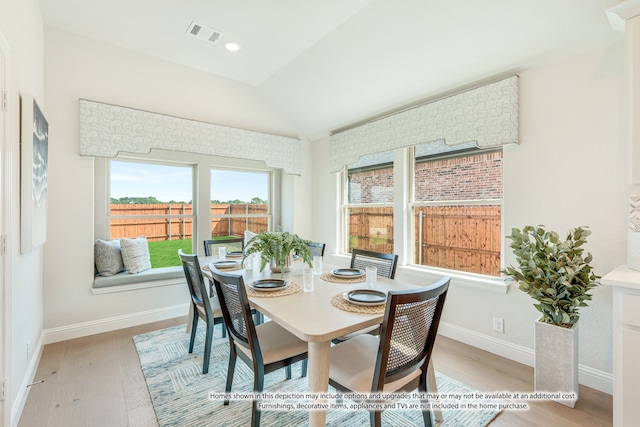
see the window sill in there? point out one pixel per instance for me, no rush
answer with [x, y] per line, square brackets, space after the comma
[475, 281]
[416, 274]
[147, 279]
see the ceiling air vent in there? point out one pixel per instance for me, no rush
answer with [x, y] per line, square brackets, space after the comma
[204, 33]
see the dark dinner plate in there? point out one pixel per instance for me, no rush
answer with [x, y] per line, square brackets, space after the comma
[269, 284]
[348, 272]
[366, 297]
[235, 254]
[225, 264]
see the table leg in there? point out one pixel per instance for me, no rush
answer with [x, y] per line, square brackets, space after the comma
[319, 356]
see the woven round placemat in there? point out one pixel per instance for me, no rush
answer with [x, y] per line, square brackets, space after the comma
[331, 278]
[338, 301]
[235, 267]
[293, 289]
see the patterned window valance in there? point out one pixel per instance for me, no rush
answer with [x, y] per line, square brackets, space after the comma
[106, 130]
[487, 115]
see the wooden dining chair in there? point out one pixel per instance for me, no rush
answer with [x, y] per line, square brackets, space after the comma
[316, 248]
[398, 360]
[385, 263]
[203, 306]
[264, 348]
[386, 267]
[232, 243]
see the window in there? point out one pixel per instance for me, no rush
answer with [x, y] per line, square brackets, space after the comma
[457, 208]
[167, 197]
[155, 201]
[239, 202]
[368, 205]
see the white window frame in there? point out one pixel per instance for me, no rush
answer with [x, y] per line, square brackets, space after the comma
[271, 194]
[413, 204]
[404, 185]
[202, 192]
[194, 203]
[345, 205]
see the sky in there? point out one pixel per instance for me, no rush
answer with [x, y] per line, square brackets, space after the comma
[167, 183]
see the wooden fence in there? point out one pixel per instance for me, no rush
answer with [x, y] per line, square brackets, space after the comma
[371, 229]
[157, 228]
[465, 238]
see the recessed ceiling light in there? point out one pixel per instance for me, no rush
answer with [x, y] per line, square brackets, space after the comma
[232, 47]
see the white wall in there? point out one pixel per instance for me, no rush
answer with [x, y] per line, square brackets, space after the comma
[569, 170]
[21, 27]
[81, 68]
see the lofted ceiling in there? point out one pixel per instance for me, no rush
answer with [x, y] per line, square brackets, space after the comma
[331, 63]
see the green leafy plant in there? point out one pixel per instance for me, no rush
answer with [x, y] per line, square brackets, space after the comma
[554, 272]
[276, 246]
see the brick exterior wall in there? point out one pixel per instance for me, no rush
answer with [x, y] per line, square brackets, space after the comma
[473, 177]
[464, 238]
[374, 186]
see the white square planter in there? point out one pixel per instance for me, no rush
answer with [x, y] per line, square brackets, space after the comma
[556, 362]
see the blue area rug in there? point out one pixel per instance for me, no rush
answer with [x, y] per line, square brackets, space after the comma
[181, 394]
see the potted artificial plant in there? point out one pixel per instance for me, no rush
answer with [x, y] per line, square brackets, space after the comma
[277, 248]
[557, 274]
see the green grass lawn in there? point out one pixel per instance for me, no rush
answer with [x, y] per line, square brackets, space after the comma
[165, 253]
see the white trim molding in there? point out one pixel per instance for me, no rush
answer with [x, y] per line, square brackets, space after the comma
[106, 130]
[487, 115]
[590, 377]
[99, 326]
[29, 377]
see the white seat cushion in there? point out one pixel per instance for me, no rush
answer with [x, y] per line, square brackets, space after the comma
[215, 307]
[276, 343]
[360, 332]
[353, 363]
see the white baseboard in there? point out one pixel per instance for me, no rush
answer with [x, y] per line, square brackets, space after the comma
[23, 392]
[79, 330]
[599, 380]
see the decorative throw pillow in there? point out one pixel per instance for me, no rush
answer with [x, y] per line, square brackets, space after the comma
[107, 257]
[135, 254]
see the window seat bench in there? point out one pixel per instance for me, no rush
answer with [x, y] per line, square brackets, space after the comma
[150, 278]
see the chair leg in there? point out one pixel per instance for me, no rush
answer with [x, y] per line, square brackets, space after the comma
[194, 326]
[375, 418]
[426, 417]
[224, 329]
[258, 385]
[303, 370]
[427, 382]
[230, 371]
[258, 318]
[207, 348]
[287, 369]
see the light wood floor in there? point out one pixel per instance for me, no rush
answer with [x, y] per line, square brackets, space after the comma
[97, 381]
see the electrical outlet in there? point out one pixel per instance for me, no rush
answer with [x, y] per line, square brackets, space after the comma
[498, 325]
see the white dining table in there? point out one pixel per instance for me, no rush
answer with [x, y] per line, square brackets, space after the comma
[313, 318]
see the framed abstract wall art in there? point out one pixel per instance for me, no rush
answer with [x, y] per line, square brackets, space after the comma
[34, 163]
